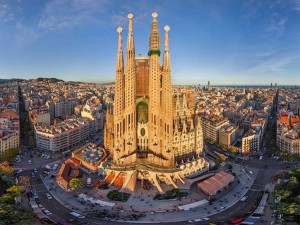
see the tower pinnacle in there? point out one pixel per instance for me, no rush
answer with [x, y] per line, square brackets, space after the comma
[166, 59]
[130, 42]
[154, 39]
[120, 63]
[167, 29]
[154, 15]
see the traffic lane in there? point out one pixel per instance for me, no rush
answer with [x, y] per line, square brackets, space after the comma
[240, 208]
[237, 210]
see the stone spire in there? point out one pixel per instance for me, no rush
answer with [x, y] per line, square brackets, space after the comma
[166, 60]
[119, 92]
[129, 124]
[130, 40]
[154, 39]
[120, 61]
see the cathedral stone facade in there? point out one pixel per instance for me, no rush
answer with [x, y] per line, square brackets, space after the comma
[141, 132]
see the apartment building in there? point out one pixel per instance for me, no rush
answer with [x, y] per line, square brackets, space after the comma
[251, 141]
[64, 135]
[289, 142]
[228, 135]
[8, 140]
[211, 126]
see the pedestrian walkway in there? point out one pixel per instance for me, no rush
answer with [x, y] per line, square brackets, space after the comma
[158, 211]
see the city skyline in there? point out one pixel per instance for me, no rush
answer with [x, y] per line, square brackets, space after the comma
[226, 42]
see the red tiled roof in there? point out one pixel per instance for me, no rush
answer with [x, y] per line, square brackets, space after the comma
[215, 183]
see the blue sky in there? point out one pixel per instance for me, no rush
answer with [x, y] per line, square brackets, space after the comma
[224, 41]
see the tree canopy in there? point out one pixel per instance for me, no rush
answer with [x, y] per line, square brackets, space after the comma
[76, 183]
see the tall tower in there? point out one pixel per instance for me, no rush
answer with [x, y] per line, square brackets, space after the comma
[167, 101]
[130, 93]
[119, 102]
[155, 141]
[124, 104]
[142, 138]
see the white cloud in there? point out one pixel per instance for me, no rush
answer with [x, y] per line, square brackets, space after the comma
[8, 11]
[59, 14]
[277, 25]
[277, 64]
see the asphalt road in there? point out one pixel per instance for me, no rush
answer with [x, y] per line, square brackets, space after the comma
[61, 213]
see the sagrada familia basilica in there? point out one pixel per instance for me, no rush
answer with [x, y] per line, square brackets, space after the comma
[151, 132]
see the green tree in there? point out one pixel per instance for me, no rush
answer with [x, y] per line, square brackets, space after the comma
[283, 194]
[9, 154]
[13, 214]
[76, 183]
[297, 199]
[5, 168]
[15, 189]
[292, 183]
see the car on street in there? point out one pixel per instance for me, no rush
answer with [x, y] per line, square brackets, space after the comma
[48, 195]
[34, 195]
[47, 212]
[196, 220]
[29, 162]
[35, 170]
[77, 215]
[32, 174]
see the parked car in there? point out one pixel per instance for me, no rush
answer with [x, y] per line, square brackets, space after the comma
[77, 215]
[47, 212]
[48, 195]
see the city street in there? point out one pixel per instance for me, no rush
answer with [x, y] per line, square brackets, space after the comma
[226, 208]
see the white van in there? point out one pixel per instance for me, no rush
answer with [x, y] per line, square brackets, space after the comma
[243, 199]
[88, 182]
[77, 215]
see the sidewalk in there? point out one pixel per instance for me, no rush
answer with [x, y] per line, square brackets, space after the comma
[158, 211]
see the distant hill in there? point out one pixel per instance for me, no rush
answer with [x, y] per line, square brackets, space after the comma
[50, 80]
[11, 80]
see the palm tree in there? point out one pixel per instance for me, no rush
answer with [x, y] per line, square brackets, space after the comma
[76, 183]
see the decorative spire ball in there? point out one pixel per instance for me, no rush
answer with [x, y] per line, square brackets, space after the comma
[167, 28]
[154, 15]
[130, 16]
[119, 30]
